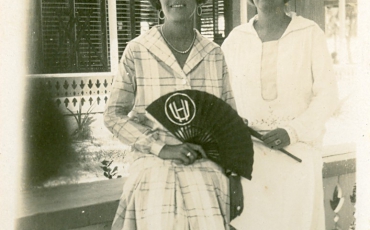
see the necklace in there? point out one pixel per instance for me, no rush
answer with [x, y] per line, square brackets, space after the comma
[179, 51]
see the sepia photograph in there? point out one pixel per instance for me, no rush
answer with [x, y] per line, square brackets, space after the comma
[185, 114]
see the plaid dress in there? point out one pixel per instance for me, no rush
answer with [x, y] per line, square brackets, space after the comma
[163, 194]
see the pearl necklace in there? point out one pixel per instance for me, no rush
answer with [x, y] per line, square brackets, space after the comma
[179, 51]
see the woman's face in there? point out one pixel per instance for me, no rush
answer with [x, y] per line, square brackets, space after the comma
[266, 5]
[178, 10]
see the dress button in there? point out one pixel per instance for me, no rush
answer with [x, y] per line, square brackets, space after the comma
[238, 208]
[184, 81]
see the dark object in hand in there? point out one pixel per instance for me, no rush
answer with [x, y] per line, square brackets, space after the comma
[258, 136]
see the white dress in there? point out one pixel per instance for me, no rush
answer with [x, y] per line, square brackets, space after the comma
[287, 83]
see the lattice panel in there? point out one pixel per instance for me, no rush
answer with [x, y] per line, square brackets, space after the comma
[71, 91]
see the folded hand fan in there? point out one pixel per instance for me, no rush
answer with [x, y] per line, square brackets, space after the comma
[202, 118]
[259, 137]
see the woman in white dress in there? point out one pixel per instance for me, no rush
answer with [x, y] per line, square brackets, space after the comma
[282, 78]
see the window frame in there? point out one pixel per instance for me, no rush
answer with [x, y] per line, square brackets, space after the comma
[113, 56]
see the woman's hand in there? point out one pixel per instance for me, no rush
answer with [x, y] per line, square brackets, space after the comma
[276, 139]
[187, 153]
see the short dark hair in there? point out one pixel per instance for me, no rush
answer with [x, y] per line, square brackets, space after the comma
[157, 4]
[252, 3]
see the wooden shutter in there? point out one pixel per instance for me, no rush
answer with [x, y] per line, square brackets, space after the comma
[212, 21]
[133, 18]
[74, 35]
[136, 16]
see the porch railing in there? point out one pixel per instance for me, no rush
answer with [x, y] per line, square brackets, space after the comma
[94, 204]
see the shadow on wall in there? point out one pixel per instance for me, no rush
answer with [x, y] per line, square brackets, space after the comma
[46, 141]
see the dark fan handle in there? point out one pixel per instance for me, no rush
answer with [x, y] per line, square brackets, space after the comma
[259, 137]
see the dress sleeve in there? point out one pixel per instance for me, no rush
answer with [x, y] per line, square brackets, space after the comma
[119, 117]
[309, 125]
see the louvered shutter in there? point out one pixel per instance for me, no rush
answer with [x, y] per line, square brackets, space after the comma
[133, 18]
[74, 34]
[212, 21]
[136, 16]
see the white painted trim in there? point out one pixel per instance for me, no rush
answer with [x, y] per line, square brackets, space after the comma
[72, 75]
[339, 149]
[243, 11]
[113, 37]
[339, 157]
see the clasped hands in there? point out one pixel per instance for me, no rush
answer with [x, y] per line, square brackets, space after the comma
[185, 153]
[276, 139]
[188, 153]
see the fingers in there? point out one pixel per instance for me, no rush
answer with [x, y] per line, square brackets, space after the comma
[279, 146]
[268, 135]
[176, 152]
[268, 138]
[184, 159]
[198, 149]
[277, 143]
[192, 152]
[276, 139]
[191, 155]
[187, 153]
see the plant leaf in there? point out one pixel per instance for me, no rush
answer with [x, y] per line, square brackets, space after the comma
[90, 109]
[334, 203]
[79, 118]
[74, 115]
[89, 121]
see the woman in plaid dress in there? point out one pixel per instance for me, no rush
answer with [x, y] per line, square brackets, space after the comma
[167, 187]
